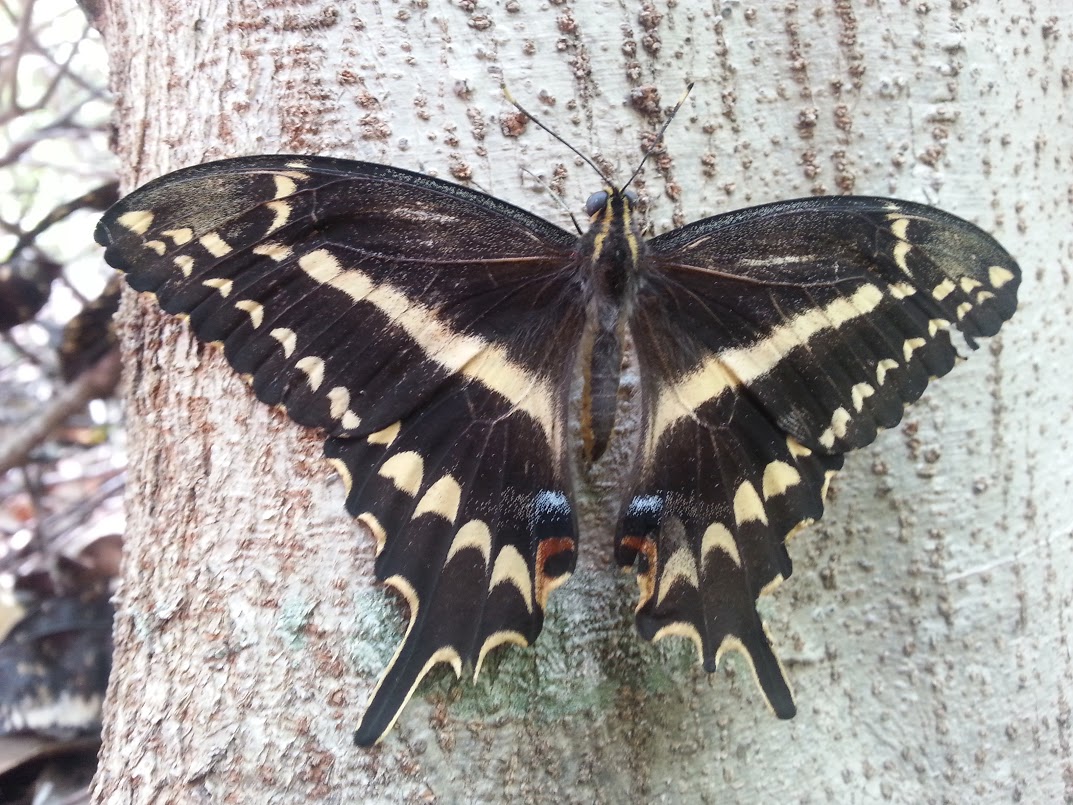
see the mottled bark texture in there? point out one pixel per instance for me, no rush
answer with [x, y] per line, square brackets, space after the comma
[927, 625]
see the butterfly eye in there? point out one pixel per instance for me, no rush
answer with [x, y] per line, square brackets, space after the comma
[631, 197]
[597, 201]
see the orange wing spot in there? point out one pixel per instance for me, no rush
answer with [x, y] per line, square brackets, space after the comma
[646, 580]
[547, 584]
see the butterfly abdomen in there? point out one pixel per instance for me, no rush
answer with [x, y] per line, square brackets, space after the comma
[610, 251]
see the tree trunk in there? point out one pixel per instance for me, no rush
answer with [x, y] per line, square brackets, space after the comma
[926, 627]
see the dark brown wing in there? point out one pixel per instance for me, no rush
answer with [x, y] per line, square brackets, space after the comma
[430, 331]
[772, 341]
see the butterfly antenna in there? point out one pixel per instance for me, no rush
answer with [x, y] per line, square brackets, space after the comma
[531, 116]
[659, 137]
[555, 196]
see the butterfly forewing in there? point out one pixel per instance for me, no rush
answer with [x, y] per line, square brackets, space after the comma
[429, 331]
[771, 341]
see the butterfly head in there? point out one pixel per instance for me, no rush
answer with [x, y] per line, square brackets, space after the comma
[610, 201]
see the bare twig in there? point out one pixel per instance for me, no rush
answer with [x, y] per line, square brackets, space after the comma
[96, 382]
[9, 77]
[60, 127]
[99, 198]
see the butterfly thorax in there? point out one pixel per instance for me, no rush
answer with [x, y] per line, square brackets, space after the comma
[610, 252]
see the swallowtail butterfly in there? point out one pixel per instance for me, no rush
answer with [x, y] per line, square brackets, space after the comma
[434, 334]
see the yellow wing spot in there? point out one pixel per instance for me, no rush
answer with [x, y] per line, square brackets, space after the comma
[797, 529]
[548, 585]
[313, 367]
[474, 534]
[158, 246]
[405, 470]
[407, 591]
[220, 284]
[681, 629]
[968, 284]
[747, 505]
[493, 367]
[322, 267]
[510, 568]
[646, 581]
[680, 565]
[180, 236]
[942, 290]
[344, 472]
[368, 519]
[839, 422]
[442, 498]
[778, 477]
[137, 221]
[963, 310]
[900, 290]
[717, 537]
[910, 346]
[734, 367]
[859, 393]
[772, 585]
[898, 227]
[350, 420]
[797, 450]
[255, 309]
[733, 643]
[494, 641]
[447, 655]
[901, 250]
[285, 185]
[882, 368]
[983, 296]
[862, 302]
[215, 245]
[935, 325]
[339, 401]
[185, 263]
[385, 436]
[287, 339]
[282, 212]
[999, 276]
[274, 251]
[827, 477]
[704, 384]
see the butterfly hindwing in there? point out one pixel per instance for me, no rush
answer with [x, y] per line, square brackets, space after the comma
[427, 330]
[771, 341]
[481, 537]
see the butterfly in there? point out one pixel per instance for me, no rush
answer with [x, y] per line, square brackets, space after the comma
[435, 336]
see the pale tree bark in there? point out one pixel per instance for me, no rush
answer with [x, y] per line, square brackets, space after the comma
[927, 625]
